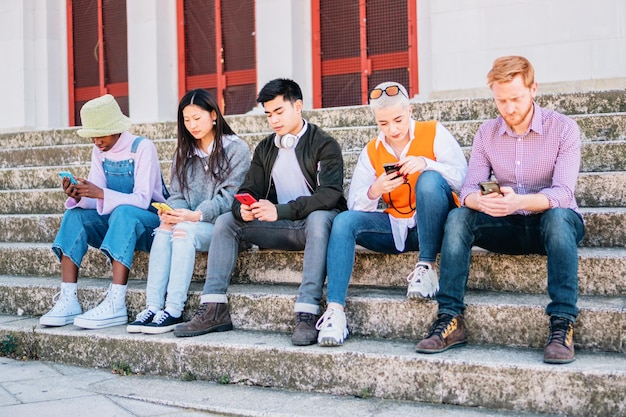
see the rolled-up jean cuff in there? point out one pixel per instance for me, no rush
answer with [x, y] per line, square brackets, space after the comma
[213, 298]
[306, 308]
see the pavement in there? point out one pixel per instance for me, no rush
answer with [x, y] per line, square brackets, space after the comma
[47, 389]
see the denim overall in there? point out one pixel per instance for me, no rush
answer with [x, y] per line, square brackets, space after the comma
[118, 234]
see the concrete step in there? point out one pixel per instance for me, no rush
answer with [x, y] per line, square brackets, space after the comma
[594, 128]
[594, 190]
[44, 388]
[600, 271]
[603, 227]
[474, 376]
[506, 319]
[464, 109]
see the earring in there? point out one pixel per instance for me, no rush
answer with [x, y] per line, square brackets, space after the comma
[214, 122]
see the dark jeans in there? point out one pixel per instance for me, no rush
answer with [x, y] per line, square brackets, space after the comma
[555, 233]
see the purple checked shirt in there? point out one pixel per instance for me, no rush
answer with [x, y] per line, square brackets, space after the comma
[544, 160]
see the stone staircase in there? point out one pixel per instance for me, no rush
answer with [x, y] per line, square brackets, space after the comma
[501, 368]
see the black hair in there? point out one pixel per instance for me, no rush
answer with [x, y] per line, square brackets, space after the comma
[218, 163]
[289, 89]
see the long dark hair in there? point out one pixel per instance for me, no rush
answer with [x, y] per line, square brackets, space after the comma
[218, 164]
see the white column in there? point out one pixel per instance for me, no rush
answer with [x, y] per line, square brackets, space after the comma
[152, 60]
[33, 41]
[284, 44]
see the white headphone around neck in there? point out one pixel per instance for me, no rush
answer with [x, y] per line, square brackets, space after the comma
[285, 142]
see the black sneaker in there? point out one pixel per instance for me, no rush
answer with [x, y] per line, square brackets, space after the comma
[141, 320]
[162, 323]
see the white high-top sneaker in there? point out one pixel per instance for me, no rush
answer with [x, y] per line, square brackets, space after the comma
[66, 307]
[110, 312]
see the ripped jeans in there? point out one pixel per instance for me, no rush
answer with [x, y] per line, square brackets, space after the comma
[171, 263]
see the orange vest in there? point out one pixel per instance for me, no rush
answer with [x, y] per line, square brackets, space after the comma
[403, 197]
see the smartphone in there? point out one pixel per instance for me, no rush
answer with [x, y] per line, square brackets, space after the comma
[488, 187]
[392, 167]
[245, 198]
[163, 207]
[66, 174]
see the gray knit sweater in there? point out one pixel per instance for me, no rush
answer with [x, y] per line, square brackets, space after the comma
[203, 193]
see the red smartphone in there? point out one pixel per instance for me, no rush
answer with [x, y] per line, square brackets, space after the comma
[245, 198]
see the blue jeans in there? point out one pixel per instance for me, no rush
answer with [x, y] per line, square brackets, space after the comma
[372, 230]
[117, 235]
[555, 233]
[310, 234]
[172, 259]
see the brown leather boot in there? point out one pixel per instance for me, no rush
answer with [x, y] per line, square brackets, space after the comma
[210, 317]
[445, 333]
[560, 346]
[305, 332]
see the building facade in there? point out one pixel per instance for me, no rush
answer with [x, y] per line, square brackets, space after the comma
[59, 53]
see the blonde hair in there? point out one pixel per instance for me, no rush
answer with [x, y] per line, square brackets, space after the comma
[505, 68]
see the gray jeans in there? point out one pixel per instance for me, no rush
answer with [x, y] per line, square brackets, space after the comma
[310, 234]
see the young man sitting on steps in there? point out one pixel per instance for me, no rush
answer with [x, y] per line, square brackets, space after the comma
[428, 166]
[296, 178]
[534, 154]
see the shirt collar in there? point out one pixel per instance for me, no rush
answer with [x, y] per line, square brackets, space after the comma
[535, 123]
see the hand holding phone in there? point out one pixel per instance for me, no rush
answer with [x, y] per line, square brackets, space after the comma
[245, 198]
[162, 207]
[67, 174]
[391, 168]
[488, 187]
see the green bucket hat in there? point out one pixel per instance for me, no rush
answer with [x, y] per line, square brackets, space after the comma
[102, 116]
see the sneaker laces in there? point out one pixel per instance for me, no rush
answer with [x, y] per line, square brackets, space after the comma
[60, 301]
[418, 273]
[144, 315]
[326, 319]
[559, 331]
[160, 317]
[307, 318]
[440, 325]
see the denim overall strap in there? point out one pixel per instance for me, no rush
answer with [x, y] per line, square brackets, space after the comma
[120, 175]
[133, 150]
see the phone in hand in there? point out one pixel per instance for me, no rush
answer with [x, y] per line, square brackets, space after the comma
[162, 207]
[488, 187]
[245, 198]
[391, 168]
[67, 174]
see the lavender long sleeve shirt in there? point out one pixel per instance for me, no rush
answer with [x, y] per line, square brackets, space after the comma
[147, 177]
[544, 160]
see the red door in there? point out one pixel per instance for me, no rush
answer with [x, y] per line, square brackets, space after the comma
[217, 51]
[358, 44]
[97, 53]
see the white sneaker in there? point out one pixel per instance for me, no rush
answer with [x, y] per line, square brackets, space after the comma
[423, 281]
[104, 315]
[66, 307]
[333, 328]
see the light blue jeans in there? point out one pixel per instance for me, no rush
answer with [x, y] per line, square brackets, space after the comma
[310, 234]
[171, 263]
[372, 230]
[117, 235]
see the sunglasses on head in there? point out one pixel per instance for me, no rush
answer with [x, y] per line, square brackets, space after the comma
[392, 90]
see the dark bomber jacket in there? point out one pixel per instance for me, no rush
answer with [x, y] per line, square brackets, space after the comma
[321, 162]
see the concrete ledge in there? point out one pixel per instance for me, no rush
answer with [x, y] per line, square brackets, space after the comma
[473, 376]
[492, 318]
[600, 271]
